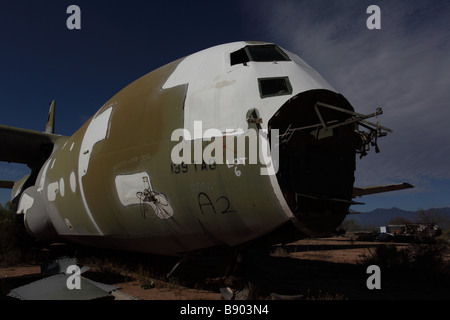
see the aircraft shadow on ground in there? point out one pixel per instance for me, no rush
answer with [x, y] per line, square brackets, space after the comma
[267, 274]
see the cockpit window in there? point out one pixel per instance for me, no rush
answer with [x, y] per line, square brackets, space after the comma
[267, 53]
[259, 53]
[239, 57]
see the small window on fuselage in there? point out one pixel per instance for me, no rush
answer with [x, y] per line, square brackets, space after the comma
[271, 87]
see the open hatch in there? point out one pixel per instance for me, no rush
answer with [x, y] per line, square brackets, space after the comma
[320, 135]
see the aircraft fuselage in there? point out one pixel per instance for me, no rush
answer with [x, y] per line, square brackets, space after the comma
[115, 184]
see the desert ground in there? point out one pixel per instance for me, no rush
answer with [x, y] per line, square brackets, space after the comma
[312, 269]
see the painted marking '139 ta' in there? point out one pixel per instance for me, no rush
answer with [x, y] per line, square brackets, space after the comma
[184, 168]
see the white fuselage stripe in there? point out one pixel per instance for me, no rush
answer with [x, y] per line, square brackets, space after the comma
[96, 131]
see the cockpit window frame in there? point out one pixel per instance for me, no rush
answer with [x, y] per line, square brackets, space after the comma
[277, 49]
[237, 57]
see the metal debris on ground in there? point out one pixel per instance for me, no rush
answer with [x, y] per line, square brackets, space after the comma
[53, 285]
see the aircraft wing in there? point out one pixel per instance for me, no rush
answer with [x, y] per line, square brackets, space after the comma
[25, 146]
[359, 192]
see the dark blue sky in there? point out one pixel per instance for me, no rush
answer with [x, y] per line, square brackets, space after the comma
[404, 67]
[41, 60]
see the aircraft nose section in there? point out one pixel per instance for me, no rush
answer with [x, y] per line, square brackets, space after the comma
[317, 164]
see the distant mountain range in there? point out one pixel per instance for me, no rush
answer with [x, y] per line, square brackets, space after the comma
[381, 217]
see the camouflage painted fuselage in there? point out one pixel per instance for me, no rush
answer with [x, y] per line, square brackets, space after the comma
[114, 184]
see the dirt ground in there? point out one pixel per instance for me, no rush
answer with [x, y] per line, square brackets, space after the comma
[329, 268]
